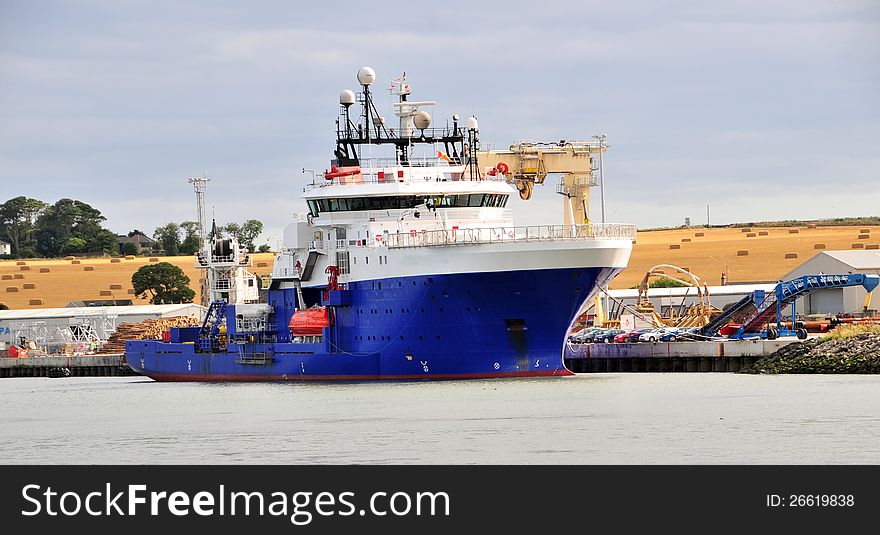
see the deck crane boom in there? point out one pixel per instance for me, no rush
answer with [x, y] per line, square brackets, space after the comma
[528, 163]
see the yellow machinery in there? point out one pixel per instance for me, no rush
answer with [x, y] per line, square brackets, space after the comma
[527, 164]
[697, 315]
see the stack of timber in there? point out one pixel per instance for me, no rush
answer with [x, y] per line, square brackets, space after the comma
[149, 329]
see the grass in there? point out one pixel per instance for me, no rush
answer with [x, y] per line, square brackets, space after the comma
[851, 330]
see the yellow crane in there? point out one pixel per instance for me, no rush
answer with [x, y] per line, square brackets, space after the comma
[529, 163]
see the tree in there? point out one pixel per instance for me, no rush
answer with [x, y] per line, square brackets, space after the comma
[129, 248]
[191, 237]
[232, 229]
[245, 233]
[73, 245]
[68, 218]
[249, 232]
[18, 218]
[265, 248]
[169, 237]
[165, 283]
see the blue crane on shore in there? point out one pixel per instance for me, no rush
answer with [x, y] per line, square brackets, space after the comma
[753, 311]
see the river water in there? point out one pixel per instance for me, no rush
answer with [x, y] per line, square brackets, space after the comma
[686, 418]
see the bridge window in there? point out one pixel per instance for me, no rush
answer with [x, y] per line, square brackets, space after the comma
[355, 204]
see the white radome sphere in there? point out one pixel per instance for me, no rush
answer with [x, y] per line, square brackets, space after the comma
[422, 119]
[472, 123]
[366, 75]
[346, 98]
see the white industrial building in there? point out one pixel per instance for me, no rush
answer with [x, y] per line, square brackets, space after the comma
[837, 300]
[55, 329]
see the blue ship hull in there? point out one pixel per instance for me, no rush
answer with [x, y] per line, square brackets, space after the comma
[464, 325]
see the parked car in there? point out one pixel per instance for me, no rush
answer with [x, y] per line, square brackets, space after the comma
[665, 334]
[630, 336]
[607, 336]
[580, 336]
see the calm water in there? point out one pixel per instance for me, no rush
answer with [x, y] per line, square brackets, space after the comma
[590, 419]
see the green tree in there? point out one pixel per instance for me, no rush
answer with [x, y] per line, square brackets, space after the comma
[73, 245]
[68, 218]
[265, 248]
[248, 232]
[165, 283]
[169, 237]
[191, 237]
[104, 242]
[129, 249]
[18, 219]
[231, 229]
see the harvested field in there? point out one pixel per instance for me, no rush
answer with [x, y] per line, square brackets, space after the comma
[707, 255]
[66, 282]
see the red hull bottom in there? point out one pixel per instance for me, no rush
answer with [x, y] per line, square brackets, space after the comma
[204, 378]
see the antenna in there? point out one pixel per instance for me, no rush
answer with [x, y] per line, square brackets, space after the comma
[200, 185]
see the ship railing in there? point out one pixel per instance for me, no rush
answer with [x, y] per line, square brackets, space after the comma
[612, 231]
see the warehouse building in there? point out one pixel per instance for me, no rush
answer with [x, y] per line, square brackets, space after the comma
[838, 300]
[56, 330]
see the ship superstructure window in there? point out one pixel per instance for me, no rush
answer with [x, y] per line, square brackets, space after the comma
[397, 202]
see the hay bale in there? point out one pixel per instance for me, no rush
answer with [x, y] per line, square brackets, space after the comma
[261, 264]
[69, 257]
[864, 236]
[764, 233]
[29, 286]
[115, 260]
[12, 289]
[129, 257]
[747, 229]
[74, 262]
[88, 268]
[699, 234]
[36, 302]
[675, 246]
[20, 263]
[751, 235]
[130, 291]
[819, 246]
[858, 246]
[793, 231]
[6, 277]
[106, 293]
[44, 270]
[865, 230]
[154, 259]
[790, 255]
[685, 240]
[115, 286]
[872, 246]
[811, 225]
[24, 268]
[744, 252]
[18, 276]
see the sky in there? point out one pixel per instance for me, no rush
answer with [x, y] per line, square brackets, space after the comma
[760, 109]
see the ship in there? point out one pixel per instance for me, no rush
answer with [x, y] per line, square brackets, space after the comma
[407, 265]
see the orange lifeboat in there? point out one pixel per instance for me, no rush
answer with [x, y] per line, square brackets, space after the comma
[309, 321]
